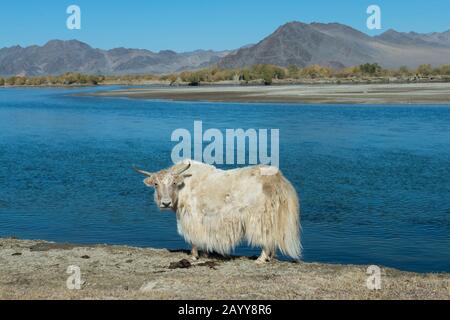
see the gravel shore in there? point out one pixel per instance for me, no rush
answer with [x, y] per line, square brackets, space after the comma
[38, 270]
[414, 93]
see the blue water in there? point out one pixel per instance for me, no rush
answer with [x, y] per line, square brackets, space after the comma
[374, 181]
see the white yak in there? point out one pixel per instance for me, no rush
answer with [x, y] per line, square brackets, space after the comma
[217, 209]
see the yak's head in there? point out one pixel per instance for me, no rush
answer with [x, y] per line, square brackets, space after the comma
[167, 183]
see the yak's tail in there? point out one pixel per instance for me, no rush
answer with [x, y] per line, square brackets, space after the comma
[278, 225]
[288, 220]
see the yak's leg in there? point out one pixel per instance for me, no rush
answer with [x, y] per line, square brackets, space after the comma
[265, 256]
[273, 254]
[194, 253]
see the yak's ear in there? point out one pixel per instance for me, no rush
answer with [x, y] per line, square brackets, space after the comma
[149, 182]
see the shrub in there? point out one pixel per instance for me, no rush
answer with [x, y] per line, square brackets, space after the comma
[370, 68]
[425, 70]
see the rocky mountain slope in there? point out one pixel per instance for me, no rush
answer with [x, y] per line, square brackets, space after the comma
[338, 46]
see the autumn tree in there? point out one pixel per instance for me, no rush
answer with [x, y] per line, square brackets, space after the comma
[444, 70]
[293, 71]
[316, 71]
[425, 70]
[404, 71]
[370, 68]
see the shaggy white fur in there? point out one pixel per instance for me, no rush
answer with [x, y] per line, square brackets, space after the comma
[217, 209]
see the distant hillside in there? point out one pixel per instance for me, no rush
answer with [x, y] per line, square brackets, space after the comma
[337, 45]
[294, 43]
[58, 56]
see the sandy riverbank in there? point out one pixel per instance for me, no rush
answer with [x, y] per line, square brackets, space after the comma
[423, 93]
[37, 269]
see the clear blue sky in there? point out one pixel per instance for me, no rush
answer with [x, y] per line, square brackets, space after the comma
[184, 25]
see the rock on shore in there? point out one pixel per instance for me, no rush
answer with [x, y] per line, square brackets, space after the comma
[38, 270]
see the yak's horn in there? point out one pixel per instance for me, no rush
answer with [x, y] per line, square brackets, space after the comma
[178, 172]
[145, 173]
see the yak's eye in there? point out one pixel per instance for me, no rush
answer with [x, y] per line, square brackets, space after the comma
[156, 184]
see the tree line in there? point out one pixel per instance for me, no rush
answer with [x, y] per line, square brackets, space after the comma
[65, 79]
[268, 73]
[264, 73]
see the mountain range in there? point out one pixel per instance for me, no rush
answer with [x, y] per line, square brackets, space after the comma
[57, 57]
[294, 43]
[339, 46]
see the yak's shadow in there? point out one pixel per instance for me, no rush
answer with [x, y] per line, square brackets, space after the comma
[213, 255]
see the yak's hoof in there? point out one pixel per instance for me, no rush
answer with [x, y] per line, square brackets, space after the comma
[194, 258]
[262, 260]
